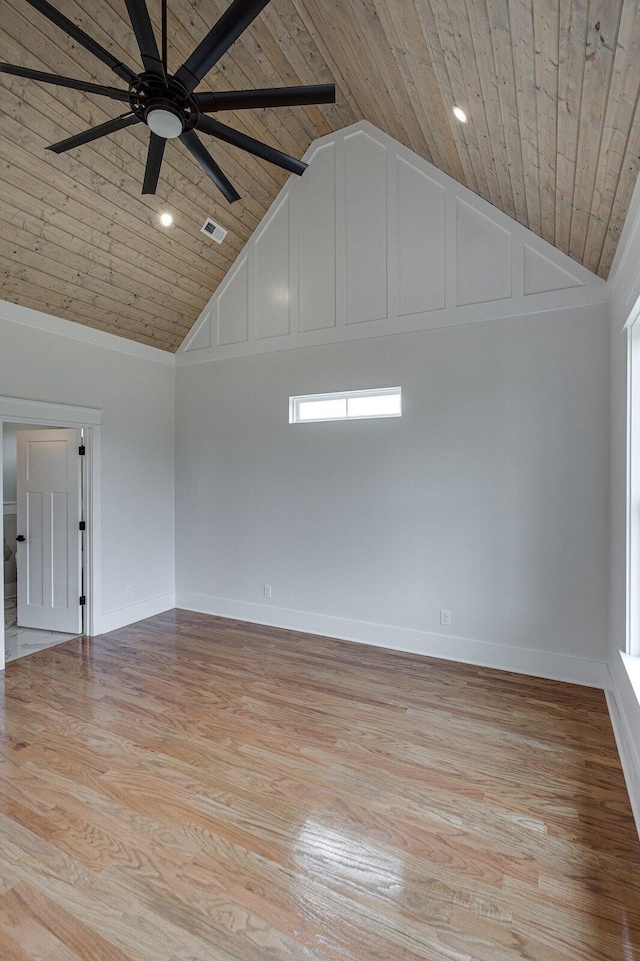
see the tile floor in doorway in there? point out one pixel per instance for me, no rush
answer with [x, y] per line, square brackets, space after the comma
[19, 641]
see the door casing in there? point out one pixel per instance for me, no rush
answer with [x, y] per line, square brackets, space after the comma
[20, 411]
[49, 559]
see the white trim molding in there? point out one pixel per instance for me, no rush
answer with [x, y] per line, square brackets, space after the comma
[557, 667]
[125, 616]
[23, 410]
[623, 702]
[88, 335]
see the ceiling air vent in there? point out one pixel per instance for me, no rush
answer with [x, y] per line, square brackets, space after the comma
[213, 230]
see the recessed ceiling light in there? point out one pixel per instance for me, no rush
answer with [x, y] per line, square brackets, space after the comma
[460, 115]
[166, 219]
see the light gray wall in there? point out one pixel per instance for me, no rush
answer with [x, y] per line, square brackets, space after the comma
[137, 475]
[488, 498]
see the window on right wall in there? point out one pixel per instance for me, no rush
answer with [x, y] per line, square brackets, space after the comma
[346, 405]
[633, 489]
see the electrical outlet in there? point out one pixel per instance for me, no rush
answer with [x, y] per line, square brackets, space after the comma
[128, 591]
[266, 590]
[445, 618]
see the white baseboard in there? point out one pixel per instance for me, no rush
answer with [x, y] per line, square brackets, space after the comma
[558, 667]
[124, 616]
[624, 710]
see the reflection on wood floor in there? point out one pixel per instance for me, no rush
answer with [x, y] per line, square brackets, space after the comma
[21, 641]
[197, 789]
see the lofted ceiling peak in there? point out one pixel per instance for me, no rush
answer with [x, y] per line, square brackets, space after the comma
[550, 88]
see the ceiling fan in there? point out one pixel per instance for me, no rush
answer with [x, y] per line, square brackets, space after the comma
[167, 102]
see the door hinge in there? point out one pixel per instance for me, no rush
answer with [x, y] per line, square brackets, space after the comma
[82, 450]
[83, 601]
[82, 526]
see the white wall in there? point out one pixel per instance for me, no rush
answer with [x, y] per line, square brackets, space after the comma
[137, 470]
[487, 498]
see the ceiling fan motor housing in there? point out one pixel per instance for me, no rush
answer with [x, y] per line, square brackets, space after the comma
[164, 105]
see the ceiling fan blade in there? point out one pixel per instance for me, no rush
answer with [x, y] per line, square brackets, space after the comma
[255, 147]
[113, 92]
[126, 120]
[141, 23]
[84, 39]
[154, 162]
[198, 150]
[164, 36]
[268, 97]
[231, 24]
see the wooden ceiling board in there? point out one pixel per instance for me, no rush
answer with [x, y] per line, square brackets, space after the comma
[551, 88]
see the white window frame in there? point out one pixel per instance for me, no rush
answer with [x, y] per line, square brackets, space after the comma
[633, 483]
[294, 404]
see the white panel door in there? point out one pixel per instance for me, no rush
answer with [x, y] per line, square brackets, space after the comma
[49, 558]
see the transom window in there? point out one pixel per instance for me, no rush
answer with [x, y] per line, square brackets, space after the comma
[346, 405]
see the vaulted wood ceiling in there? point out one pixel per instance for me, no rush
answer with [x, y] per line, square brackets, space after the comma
[551, 87]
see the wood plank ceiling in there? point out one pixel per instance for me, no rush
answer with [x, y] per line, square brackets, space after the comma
[551, 88]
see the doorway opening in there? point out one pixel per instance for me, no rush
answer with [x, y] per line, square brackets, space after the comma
[43, 537]
[67, 595]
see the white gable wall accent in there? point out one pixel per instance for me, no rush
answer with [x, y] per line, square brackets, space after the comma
[374, 240]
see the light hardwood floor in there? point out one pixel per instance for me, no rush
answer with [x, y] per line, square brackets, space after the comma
[198, 789]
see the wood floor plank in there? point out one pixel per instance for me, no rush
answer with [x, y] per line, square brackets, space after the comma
[195, 787]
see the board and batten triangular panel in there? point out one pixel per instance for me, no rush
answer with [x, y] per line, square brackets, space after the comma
[316, 242]
[365, 215]
[541, 275]
[373, 240]
[272, 281]
[483, 258]
[421, 233]
[232, 309]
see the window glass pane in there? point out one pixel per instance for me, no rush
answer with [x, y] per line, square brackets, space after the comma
[326, 409]
[380, 405]
[385, 402]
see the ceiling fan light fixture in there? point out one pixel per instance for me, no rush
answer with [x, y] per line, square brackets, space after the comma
[164, 123]
[460, 115]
